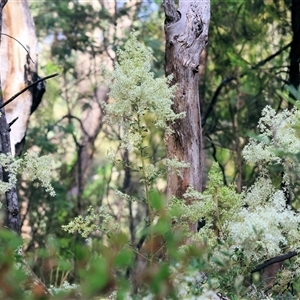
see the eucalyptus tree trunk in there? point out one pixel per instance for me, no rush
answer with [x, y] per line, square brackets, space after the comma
[11, 198]
[19, 69]
[186, 31]
[16, 18]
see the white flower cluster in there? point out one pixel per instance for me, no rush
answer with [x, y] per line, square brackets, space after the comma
[89, 224]
[124, 196]
[13, 167]
[265, 225]
[175, 165]
[111, 155]
[65, 287]
[263, 229]
[39, 168]
[32, 167]
[279, 138]
[136, 92]
[257, 222]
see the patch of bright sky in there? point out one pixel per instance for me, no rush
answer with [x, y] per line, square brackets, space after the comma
[148, 6]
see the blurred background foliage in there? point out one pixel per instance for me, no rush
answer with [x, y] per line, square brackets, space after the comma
[244, 66]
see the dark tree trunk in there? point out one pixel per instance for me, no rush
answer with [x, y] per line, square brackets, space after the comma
[186, 32]
[294, 75]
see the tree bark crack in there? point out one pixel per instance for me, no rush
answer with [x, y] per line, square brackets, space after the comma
[172, 15]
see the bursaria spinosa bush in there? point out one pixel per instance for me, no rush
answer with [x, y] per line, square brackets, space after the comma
[243, 230]
[278, 143]
[32, 167]
[135, 93]
[264, 226]
[238, 230]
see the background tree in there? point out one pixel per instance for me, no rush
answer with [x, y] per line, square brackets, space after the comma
[10, 198]
[19, 65]
[186, 37]
[18, 71]
[70, 124]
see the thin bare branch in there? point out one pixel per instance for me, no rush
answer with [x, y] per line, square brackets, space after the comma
[274, 260]
[26, 88]
[13, 121]
[69, 117]
[5, 34]
[231, 78]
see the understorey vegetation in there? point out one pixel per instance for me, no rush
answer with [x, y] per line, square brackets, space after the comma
[240, 235]
[157, 166]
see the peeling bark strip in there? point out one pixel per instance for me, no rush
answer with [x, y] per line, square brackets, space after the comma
[186, 32]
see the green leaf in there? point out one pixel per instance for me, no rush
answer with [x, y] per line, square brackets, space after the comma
[157, 281]
[156, 200]
[124, 258]
[95, 278]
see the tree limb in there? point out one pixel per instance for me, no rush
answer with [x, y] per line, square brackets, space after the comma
[5, 34]
[215, 98]
[11, 198]
[26, 88]
[229, 79]
[274, 260]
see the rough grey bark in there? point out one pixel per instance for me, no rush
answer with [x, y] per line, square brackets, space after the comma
[202, 80]
[186, 32]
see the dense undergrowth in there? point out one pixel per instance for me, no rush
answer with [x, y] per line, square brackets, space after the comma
[237, 231]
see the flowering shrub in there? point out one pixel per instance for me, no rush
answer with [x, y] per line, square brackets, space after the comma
[237, 232]
[277, 144]
[32, 167]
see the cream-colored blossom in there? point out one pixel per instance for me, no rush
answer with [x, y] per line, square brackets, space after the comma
[93, 222]
[265, 224]
[32, 167]
[174, 165]
[39, 168]
[279, 133]
[135, 92]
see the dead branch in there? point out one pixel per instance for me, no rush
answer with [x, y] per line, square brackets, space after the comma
[274, 260]
[27, 88]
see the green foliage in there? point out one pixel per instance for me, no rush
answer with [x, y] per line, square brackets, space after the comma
[238, 230]
[217, 205]
[242, 77]
[277, 145]
[10, 266]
